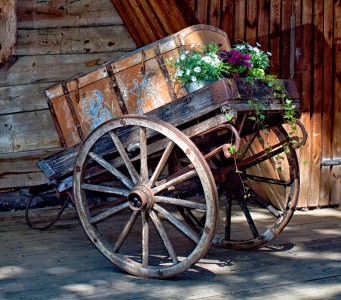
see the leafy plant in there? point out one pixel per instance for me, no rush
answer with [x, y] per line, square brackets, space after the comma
[197, 66]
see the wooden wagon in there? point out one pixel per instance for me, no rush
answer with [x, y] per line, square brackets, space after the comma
[149, 164]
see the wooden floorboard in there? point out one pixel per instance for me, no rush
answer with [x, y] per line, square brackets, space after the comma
[304, 262]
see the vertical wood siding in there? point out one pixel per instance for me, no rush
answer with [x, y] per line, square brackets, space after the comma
[317, 72]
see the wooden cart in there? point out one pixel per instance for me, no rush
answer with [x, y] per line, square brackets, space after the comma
[147, 162]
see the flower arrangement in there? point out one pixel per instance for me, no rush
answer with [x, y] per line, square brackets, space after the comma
[207, 63]
[197, 66]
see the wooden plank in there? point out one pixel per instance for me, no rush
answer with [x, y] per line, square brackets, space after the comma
[305, 62]
[263, 24]
[227, 17]
[275, 33]
[27, 131]
[316, 107]
[22, 98]
[326, 147]
[251, 21]
[8, 28]
[201, 12]
[239, 21]
[214, 13]
[63, 40]
[286, 13]
[61, 13]
[148, 21]
[52, 68]
[20, 169]
[336, 133]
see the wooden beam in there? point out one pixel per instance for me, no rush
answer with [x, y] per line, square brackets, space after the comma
[8, 28]
[149, 20]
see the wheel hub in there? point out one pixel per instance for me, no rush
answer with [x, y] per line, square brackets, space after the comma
[141, 197]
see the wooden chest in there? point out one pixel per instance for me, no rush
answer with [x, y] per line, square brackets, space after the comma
[133, 84]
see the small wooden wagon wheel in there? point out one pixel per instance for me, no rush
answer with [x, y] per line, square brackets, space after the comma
[261, 189]
[139, 227]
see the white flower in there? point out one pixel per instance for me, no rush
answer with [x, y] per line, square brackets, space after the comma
[258, 44]
[207, 59]
[197, 69]
[268, 53]
[256, 49]
[188, 72]
[192, 46]
[183, 56]
[186, 52]
[194, 79]
[171, 58]
[199, 44]
[179, 73]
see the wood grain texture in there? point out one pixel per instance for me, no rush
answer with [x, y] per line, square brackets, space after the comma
[70, 13]
[148, 21]
[111, 38]
[8, 28]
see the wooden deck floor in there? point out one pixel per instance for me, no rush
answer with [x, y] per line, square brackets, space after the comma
[304, 262]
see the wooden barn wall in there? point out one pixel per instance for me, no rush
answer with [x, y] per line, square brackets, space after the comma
[56, 39]
[316, 54]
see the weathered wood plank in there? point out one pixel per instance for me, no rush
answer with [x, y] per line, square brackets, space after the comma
[275, 33]
[251, 21]
[317, 94]
[239, 21]
[20, 169]
[8, 27]
[66, 13]
[27, 131]
[336, 133]
[148, 21]
[305, 61]
[263, 24]
[215, 13]
[326, 112]
[227, 18]
[111, 38]
[286, 13]
[52, 68]
[72, 264]
[22, 98]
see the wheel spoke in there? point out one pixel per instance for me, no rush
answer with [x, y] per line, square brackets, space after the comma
[126, 181]
[257, 159]
[180, 202]
[143, 153]
[108, 213]
[178, 224]
[269, 180]
[104, 189]
[250, 140]
[248, 217]
[120, 148]
[256, 197]
[174, 181]
[163, 234]
[228, 211]
[161, 163]
[126, 230]
[145, 239]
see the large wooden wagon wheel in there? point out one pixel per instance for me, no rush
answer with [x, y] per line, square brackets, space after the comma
[261, 189]
[138, 225]
[261, 184]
